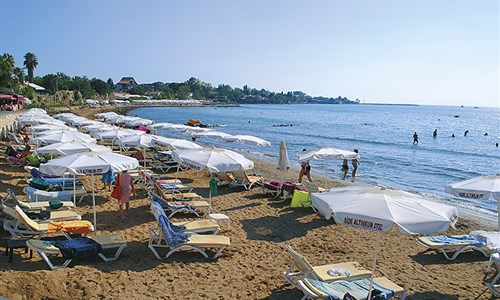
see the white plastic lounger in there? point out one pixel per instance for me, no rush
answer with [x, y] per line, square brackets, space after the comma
[359, 288]
[44, 205]
[453, 245]
[196, 226]
[35, 195]
[107, 241]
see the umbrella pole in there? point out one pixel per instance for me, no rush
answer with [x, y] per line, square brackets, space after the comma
[74, 189]
[144, 156]
[326, 174]
[93, 202]
[374, 265]
[498, 209]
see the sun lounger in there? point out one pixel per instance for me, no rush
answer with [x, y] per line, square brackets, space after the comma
[196, 226]
[241, 178]
[35, 195]
[13, 161]
[175, 196]
[301, 268]
[166, 237]
[42, 217]
[174, 187]
[11, 200]
[181, 206]
[66, 181]
[452, 245]
[106, 241]
[273, 188]
[21, 226]
[359, 288]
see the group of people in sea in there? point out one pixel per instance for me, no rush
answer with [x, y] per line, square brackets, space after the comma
[434, 135]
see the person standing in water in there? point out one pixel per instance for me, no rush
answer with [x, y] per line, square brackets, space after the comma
[435, 133]
[345, 168]
[415, 138]
[355, 163]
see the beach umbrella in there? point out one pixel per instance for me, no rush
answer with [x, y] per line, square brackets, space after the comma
[140, 122]
[216, 160]
[62, 137]
[50, 127]
[89, 164]
[71, 148]
[283, 162]
[110, 135]
[380, 210]
[482, 187]
[248, 139]
[137, 141]
[174, 144]
[211, 134]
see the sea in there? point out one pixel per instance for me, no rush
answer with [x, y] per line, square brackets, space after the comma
[381, 133]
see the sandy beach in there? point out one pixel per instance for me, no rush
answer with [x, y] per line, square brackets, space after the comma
[252, 267]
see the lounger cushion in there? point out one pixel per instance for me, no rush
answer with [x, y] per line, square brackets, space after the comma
[356, 270]
[208, 240]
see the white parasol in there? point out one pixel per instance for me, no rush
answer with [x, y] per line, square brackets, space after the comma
[248, 139]
[215, 160]
[380, 210]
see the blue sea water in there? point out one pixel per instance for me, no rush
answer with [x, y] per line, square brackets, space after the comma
[382, 134]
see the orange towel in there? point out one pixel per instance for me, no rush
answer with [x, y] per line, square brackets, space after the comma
[81, 227]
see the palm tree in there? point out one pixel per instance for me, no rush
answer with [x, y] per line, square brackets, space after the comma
[30, 62]
[19, 75]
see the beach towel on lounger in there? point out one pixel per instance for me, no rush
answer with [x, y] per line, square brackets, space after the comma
[456, 240]
[81, 227]
[78, 248]
[171, 237]
[358, 288]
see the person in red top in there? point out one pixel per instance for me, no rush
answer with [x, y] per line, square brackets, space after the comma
[126, 183]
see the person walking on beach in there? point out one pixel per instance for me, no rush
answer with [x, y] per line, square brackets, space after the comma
[355, 163]
[435, 133]
[415, 138]
[127, 185]
[305, 169]
[345, 168]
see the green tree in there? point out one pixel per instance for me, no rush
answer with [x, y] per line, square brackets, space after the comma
[183, 92]
[19, 75]
[110, 83]
[7, 71]
[82, 84]
[99, 86]
[30, 62]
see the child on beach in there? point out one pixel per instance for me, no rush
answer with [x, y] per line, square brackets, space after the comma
[305, 169]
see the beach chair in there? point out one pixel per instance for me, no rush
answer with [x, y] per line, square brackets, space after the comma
[162, 160]
[383, 288]
[273, 188]
[97, 244]
[63, 181]
[241, 178]
[15, 139]
[35, 195]
[181, 206]
[11, 200]
[177, 196]
[166, 186]
[21, 226]
[166, 237]
[42, 216]
[223, 178]
[301, 268]
[494, 285]
[453, 245]
[311, 187]
[195, 226]
[14, 161]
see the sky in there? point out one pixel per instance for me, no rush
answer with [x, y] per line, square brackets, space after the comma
[438, 52]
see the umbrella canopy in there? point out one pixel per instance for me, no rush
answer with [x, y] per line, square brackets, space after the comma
[248, 139]
[71, 148]
[136, 141]
[381, 209]
[50, 127]
[211, 134]
[110, 135]
[89, 163]
[283, 162]
[174, 144]
[215, 160]
[328, 153]
[62, 137]
[482, 187]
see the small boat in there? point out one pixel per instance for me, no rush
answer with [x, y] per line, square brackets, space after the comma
[456, 116]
